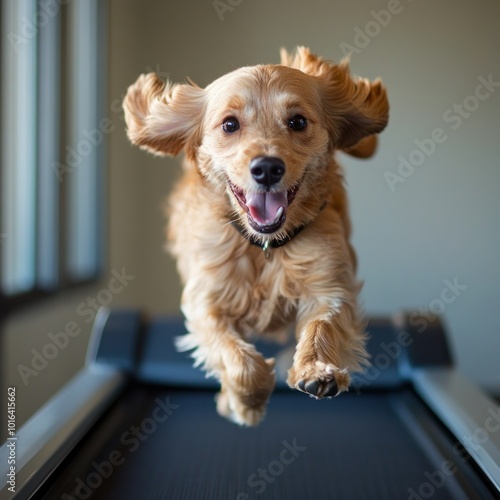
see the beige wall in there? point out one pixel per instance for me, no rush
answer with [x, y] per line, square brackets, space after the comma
[440, 224]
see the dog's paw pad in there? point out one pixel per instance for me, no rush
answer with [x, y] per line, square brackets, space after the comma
[314, 388]
[331, 389]
[320, 380]
[319, 389]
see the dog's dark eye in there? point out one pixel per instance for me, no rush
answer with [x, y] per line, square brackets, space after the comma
[297, 122]
[230, 125]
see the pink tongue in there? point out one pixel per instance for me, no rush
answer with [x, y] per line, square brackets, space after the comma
[264, 206]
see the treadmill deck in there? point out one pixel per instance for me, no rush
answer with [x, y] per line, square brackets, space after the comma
[162, 443]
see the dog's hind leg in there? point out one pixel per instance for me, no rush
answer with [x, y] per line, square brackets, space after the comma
[247, 379]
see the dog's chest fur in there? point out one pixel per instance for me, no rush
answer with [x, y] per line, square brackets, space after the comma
[262, 293]
[224, 273]
[254, 293]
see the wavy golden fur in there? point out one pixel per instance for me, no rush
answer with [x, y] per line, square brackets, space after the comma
[295, 114]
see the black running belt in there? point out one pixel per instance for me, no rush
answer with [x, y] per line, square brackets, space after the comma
[158, 443]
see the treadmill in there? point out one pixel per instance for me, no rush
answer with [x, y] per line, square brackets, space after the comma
[139, 423]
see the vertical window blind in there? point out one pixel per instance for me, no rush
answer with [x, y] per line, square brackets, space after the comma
[52, 210]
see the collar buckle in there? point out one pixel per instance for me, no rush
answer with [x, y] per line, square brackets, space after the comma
[267, 250]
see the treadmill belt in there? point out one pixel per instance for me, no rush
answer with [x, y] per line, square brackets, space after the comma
[162, 443]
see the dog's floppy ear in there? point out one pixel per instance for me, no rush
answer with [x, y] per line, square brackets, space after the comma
[365, 148]
[304, 61]
[162, 117]
[354, 107]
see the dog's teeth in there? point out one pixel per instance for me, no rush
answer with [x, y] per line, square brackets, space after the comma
[279, 213]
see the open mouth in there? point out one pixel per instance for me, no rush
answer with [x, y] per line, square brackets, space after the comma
[266, 211]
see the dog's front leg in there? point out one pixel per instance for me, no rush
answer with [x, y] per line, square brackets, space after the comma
[247, 379]
[330, 345]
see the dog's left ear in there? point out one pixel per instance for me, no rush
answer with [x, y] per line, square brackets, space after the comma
[162, 117]
[354, 107]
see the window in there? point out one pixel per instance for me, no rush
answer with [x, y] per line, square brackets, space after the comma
[52, 144]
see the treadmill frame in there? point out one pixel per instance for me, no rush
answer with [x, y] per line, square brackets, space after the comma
[47, 438]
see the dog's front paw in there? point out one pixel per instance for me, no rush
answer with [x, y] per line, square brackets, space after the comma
[319, 379]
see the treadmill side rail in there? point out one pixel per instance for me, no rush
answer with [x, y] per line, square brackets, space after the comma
[53, 431]
[471, 416]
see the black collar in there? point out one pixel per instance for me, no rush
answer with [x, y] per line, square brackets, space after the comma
[276, 243]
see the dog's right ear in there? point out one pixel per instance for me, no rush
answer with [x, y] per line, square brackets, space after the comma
[355, 108]
[162, 117]
[365, 148]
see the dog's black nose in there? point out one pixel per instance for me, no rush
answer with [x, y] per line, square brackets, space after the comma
[267, 170]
